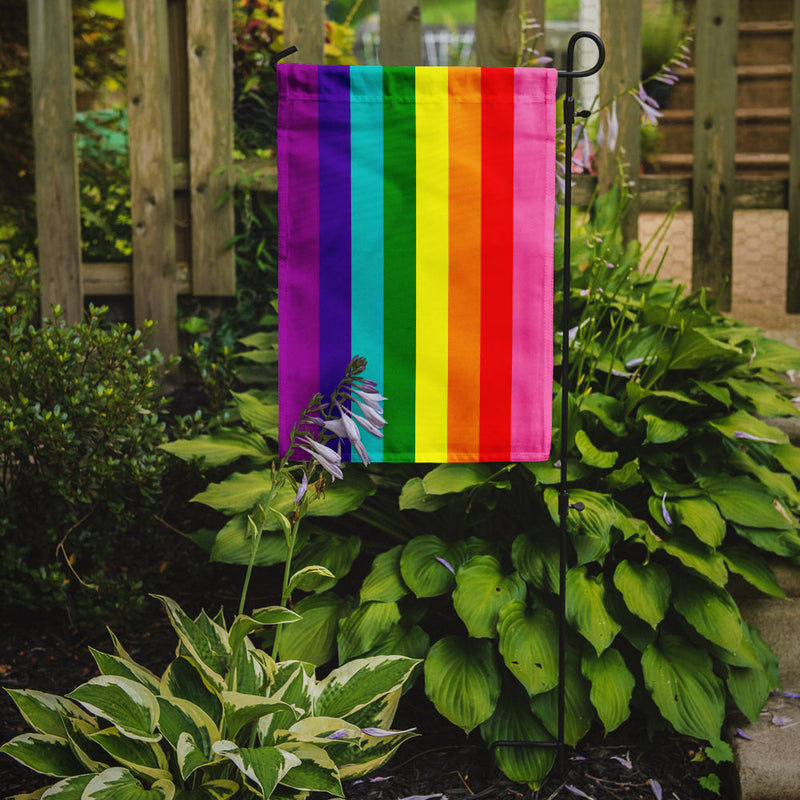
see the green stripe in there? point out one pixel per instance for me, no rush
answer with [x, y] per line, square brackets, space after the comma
[399, 243]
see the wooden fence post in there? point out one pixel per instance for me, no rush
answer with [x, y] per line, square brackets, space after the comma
[304, 27]
[401, 33]
[621, 28]
[498, 29]
[714, 188]
[152, 201]
[56, 164]
[210, 54]
[793, 266]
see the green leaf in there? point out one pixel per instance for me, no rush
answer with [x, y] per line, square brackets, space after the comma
[512, 721]
[399, 640]
[316, 772]
[117, 783]
[334, 553]
[449, 478]
[414, 497]
[749, 688]
[788, 456]
[234, 545]
[529, 645]
[709, 609]
[145, 759]
[782, 543]
[701, 517]
[766, 401]
[696, 349]
[422, 567]
[125, 668]
[608, 410]
[365, 627]
[625, 477]
[745, 502]
[68, 789]
[693, 554]
[178, 717]
[663, 431]
[212, 790]
[481, 591]
[44, 753]
[126, 704]
[746, 561]
[385, 582]
[264, 766]
[261, 416]
[717, 392]
[646, 589]
[462, 680]
[241, 709]
[182, 679]
[742, 422]
[223, 446]
[586, 608]
[537, 561]
[243, 625]
[44, 712]
[237, 493]
[683, 685]
[313, 638]
[590, 455]
[612, 687]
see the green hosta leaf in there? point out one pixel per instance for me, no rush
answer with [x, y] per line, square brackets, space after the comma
[749, 688]
[127, 705]
[608, 410]
[782, 543]
[780, 484]
[45, 712]
[313, 638]
[548, 474]
[334, 553]
[145, 759]
[125, 668]
[212, 790]
[536, 561]
[693, 554]
[312, 577]
[740, 422]
[399, 640]
[223, 446]
[596, 519]
[264, 766]
[743, 501]
[701, 517]
[612, 687]
[237, 493]
[767, 401]
[683, 685]
[462, 680]
[234, 545]
[44, 753]
[414, 497]
[695, 349]
[448, 478]
[625, 477]
[512, 721]
[788, 455]
[316, 771]
[183, 680]
[365, 627]
[243, 625]
[709, 610]
[481, 591]
[261, 416]
[385, 582]
[753, 567]
[353, 686]
[118, 784]
[529, 645]
[646, 589]
[774, 355]
[716, 391]
[178, 717]
[586, 608]
[242, 709]
[663, 431]
[424, 565]
[86, 751]
[590, 455]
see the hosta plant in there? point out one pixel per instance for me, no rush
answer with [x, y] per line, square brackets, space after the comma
[224, 720]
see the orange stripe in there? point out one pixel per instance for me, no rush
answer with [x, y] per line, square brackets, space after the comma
[464, 307]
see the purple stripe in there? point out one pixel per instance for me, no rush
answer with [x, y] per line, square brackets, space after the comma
[298, 246]
[334, 227]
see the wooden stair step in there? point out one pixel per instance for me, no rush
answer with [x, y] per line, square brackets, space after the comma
[762, 164]
[765, 41]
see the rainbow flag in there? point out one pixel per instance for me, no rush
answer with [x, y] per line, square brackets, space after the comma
[416, 219]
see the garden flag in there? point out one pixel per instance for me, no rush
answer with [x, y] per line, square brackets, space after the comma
[416, 213]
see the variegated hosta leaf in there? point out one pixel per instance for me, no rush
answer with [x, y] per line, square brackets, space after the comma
[385, 581]
[372, 754]
[190, 755]
[117, 783]
[683, 685]
[335, 554]
[212, 790]
[428, 565]
[462, 680]
[86, 751]
[45, 712]
[126, 704]
[316, 771]
[262, 766]
[481, 591]
[364, 628]
[313, 638]
[646, 589]
[145, 759]
[125, 668]
[242, 709]
[612, 686]
[44, 753]
[586, 608]
[252, 670]
[710, 610]
[513, 721]
[294, 685]
[323, 731]
[243, 625]
[354, 685]
[178, 717]
[204, 641]
[529, 645]
[183, 679]
[68, 789]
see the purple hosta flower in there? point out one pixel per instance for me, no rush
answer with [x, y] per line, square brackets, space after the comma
[608, 131]
[376, 779]
[792, 695]
[301, 489]
[342, 733]
[649, 106]
[751, 437]
[424, 797]
[624, 761]
[380, 732]
[664, 512]
[326, 457]
[445, 563]
[742, 735]
[577, 792]
[655, 787]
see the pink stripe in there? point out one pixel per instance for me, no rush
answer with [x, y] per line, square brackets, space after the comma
[534, 224]
[298, 245]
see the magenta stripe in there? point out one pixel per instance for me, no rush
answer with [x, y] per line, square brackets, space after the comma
[534, 221]
[298, 244]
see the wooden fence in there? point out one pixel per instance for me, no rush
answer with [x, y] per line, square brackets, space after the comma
[181, 134]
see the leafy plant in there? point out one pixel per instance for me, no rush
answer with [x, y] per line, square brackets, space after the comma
[223, 720]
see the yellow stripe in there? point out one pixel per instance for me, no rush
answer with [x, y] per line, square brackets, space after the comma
[432, 262]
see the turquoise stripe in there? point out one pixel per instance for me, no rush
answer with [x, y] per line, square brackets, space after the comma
[366, 214]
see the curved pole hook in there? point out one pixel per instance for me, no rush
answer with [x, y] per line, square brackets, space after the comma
[601, 56]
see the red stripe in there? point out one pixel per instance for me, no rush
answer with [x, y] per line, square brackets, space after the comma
[497, 261]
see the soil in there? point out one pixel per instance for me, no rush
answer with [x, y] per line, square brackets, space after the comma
[45, 654]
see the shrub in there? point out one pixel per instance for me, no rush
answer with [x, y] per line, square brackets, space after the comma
[79, 430]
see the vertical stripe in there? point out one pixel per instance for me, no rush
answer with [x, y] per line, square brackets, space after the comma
[366, 209]
[334, 227]
[399, 248]
[534, 217]
[432, 263]
[464, 299]
[497, 172]
[298, 247]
